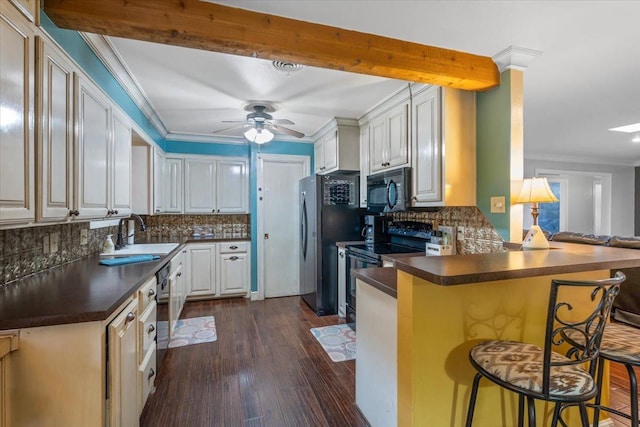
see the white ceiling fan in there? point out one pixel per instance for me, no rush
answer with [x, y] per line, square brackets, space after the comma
[260, 126]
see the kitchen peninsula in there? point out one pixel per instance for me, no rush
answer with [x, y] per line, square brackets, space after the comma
[445, 305]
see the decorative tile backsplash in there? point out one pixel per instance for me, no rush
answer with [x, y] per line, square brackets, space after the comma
[25, 251]
[479, 234]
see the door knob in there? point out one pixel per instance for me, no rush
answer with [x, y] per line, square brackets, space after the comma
[266, 236]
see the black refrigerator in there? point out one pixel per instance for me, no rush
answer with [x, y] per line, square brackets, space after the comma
[329, 213]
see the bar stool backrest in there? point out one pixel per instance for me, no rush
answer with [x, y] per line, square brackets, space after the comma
[579, 335]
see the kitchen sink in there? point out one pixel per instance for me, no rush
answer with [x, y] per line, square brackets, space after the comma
[144, 248]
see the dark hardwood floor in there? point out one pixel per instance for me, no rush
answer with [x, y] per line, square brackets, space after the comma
[265, 369]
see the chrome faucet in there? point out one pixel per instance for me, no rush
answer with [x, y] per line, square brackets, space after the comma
[120, 242]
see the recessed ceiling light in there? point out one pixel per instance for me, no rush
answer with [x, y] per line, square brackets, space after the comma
[636, 139]
[629, 128]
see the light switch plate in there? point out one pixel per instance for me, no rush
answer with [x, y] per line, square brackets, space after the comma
[84, 236]
[497, 204]
[54, 241]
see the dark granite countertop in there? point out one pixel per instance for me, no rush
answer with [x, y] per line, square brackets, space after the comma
[562, 258]
[81, 291]
[381, 278]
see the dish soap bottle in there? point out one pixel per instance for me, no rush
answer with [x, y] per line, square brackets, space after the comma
[108, 247]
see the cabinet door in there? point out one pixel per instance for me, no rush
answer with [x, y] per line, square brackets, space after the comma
[123, 368]
[121, 165]
[398, 136]
[233, 274]
[17, 201]
[92, 150]
[55, 136]
[364, 164]
[176, 289]
[199, 186]
[318, 156]
[173, 185]
[158, 180]
[377, 144]
[201, 260]
[426, 175]
[331, 151]
[342, 283]
[232, 186]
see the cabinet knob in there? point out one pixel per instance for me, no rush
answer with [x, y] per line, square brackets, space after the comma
[233, 258]
[234, 247]
[115, 212]
[151, 373]
[414, 198]
[150, 329]
[157, 210]
[213, 211]
[218, 210]
[151, 293]
[179, 274]
[341, 254]
[130, 317]
[74, 212]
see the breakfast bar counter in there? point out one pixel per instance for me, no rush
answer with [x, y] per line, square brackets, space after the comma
[446, 305]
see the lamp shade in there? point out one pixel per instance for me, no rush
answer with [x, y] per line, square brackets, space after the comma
[535, 190]
[258, 135]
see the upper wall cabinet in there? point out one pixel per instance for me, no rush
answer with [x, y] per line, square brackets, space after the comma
[17, 195]
[336, 147]
[102, 154]
[173, 188]
[54, 155]
[388, 127]
[215, 185]
[443, 144]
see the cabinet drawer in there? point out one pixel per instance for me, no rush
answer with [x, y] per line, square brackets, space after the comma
[146, 330]
[231, 247]
[147, 377]
[147, 294]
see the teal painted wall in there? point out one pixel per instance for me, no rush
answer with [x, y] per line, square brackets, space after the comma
[205, 148]
[493, 138]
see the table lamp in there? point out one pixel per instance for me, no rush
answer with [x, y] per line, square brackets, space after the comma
[534, 191]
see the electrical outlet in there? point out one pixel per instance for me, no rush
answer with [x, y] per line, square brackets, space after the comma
[54, 241]
[84, 236]
[45, 244]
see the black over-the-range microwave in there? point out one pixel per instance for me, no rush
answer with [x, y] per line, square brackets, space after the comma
[389, 191]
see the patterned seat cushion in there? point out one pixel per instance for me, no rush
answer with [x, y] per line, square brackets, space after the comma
[621, 342]
[520, 364]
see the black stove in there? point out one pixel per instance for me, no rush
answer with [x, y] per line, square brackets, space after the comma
[383, 249]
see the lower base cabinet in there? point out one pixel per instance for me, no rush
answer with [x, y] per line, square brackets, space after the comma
[86, 374]
[218, 269]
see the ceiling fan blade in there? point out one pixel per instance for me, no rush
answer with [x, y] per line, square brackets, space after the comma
[282, 122]
[286, 131]
[239, 126]
[233, 121]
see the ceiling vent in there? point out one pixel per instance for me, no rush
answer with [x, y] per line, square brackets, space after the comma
[287, 67]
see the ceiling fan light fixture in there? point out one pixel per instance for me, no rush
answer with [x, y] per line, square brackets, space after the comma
[259, 136]
[287, 67]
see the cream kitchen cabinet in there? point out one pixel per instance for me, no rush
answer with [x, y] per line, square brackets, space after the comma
[123, 368]
[178, 294]
[54, 170]
[173, 188]
[444, 148]
[158, 180]
[17, 145]
[218, 269]
[233, 267]
[103, 155]
[201, 265]
[337, 146]
[364, 164]
[215, 185]
[389, 138]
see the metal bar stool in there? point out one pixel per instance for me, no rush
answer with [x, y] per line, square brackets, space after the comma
[541, 373]
[620, 343]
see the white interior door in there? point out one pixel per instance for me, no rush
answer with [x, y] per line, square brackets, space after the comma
[279, 224]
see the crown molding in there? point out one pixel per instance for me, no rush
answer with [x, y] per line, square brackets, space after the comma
[111, 59]
[578, 159]
[213, 139]
[515, 58]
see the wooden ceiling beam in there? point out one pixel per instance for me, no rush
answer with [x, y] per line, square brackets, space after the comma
[219, 28]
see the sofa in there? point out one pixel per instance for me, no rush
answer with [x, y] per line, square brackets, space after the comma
[626, 307]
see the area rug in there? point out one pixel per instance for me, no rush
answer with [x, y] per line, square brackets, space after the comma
[339, 341]
[196, 330]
